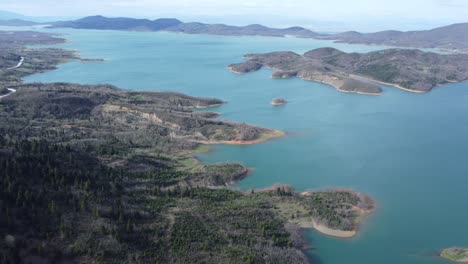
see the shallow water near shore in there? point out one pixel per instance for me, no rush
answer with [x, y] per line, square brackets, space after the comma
[407, 151]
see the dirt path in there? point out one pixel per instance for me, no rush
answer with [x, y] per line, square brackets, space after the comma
[18, 65]
[12, 91]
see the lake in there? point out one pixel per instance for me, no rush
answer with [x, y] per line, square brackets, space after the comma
[407, 151]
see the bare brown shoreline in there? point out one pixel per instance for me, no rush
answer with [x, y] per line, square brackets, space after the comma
[313, 80]
[389, 84]
[263, 138]
[342, 233]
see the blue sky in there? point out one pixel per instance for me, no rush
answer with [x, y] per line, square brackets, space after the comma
[401, 14]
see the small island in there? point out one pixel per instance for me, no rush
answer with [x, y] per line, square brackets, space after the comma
[455, 254]
[410, 70]
[278, 101]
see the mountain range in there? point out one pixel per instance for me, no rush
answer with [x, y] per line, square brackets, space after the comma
[452, 37]
[7, 15]
[175, 25]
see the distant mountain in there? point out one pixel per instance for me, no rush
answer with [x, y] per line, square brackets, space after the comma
[453, 37]
[120, 23]
[174, 25]
[17, 23]
[250, 30]
[6, 15]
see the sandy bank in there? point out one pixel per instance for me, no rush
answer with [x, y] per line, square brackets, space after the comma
[366, 207]
[263, 138]
[234, 71]
[324, 81]
[389, 84]
[208, 106]
[333, 232]
[357, 92]
[310, 223]
[278, 104]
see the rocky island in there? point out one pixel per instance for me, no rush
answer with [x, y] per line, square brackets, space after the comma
[278, 101]
[454, 254]
[100, 174]
[410, 70]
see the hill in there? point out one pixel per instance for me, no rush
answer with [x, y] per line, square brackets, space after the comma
[452, 37]
[17, 23]
[6, 15]
[411, 70]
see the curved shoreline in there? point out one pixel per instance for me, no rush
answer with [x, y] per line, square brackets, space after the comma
[328, 231]
[263, 138]
[345, 234]
[208, 106]
[339, 89]
[234, 71]
[357, 92]
[389, 84]
[455, 254]
[314, 80]
[334, 232]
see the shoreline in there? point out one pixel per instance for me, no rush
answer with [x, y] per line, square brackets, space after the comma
[278, 104]
[324, 230]
[313, 80]
[389, 84]
[455, 255]
[333, 232]
[236, 72]
[264, 137]
[336, 232]
[208, 106]
[357, 92]
[339, 89]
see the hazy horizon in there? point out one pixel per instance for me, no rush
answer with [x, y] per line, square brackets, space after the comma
[332, 15]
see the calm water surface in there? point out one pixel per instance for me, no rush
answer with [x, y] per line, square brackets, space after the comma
[408, 151]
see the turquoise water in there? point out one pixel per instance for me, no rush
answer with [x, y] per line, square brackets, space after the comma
[408, 151]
